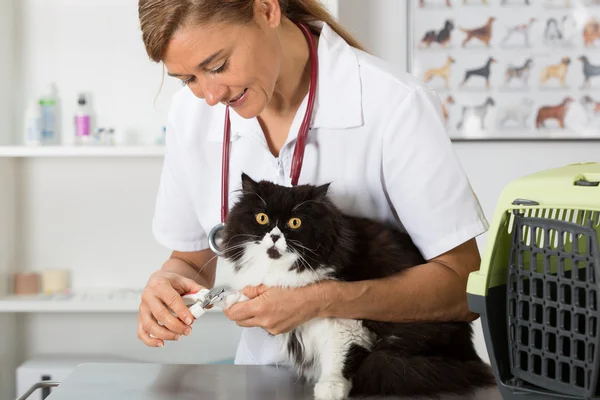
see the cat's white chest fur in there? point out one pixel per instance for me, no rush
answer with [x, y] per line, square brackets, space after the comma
[257, 267]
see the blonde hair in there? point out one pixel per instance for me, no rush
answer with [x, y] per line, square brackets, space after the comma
[159, 19]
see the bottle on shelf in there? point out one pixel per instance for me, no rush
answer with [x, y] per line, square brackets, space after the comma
[48, 105]
[160, 140]
[33, 125]
[83, 134]
[109, 137]
[41, 120]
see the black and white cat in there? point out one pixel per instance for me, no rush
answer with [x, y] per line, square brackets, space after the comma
[295, 236]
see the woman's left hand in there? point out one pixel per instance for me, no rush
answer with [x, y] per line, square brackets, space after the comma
[278, 310]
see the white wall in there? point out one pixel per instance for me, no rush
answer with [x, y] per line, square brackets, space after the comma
[6, 68]
[8, 326]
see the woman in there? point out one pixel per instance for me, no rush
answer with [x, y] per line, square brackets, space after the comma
[378, 135]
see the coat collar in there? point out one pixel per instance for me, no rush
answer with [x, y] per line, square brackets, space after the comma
[338, 103]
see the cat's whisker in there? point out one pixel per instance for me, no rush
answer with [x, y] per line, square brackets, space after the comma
[297, 243]
[307, 265]
[235, 246]
[306, 255]
[204, 266]
[243, 234]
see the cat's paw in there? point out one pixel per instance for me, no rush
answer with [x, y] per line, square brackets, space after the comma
[332, 389]
[230, 300]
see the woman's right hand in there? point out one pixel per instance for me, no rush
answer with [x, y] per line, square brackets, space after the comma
[164, 289]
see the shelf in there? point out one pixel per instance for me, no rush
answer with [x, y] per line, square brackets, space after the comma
[81, 151]
[119, 301]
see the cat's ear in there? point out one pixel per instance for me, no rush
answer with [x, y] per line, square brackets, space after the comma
[321, 191]
[248, 184]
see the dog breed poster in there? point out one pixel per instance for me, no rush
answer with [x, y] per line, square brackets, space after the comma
[510, 69]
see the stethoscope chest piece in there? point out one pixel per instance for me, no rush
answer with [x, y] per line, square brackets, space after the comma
[215, 239]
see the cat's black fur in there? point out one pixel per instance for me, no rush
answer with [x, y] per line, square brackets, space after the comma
[418, 358]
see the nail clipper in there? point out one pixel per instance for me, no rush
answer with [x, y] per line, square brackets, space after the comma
[197, 302]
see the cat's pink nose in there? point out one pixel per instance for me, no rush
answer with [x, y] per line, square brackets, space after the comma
[275, 238]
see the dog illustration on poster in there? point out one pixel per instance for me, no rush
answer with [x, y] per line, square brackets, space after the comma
[591, 32]
[560, 33]
[443, 72]
[478, 112]
[482, 33]
[518, 113]
[591, 106]
[518, 72]
[523, 29]
[481, 72]
[556, 71]
[441, 37]
[553, 112]
[589, 71]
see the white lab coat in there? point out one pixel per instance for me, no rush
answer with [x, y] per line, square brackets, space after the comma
[377, 135]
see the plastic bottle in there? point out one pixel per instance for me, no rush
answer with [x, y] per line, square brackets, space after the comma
[110, 137]
[82, 122]
[48, 105]
[160, 140]
[48, 120]
[33, 125]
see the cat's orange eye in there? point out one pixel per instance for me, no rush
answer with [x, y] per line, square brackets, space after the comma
[262, 218]
[294, 223]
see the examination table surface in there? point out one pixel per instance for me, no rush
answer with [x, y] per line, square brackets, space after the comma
[146, 381]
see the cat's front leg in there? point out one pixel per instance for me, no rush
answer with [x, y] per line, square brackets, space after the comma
[332, 385]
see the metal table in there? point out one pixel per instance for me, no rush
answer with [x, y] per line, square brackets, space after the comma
[144, 381]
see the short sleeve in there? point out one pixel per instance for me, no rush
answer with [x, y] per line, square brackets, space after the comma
[425, 183]
[175, 224]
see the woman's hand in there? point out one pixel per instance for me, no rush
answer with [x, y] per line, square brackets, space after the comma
[279, 310]
[164, 289]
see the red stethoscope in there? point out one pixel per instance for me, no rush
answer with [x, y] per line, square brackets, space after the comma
[214, 237]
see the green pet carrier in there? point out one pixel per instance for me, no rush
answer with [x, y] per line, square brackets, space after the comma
[537, 289]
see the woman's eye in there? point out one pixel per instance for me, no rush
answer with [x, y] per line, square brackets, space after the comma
[219, 69]
[185, 82]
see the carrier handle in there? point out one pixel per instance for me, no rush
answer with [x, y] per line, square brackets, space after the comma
[588, 180]
[39, 385]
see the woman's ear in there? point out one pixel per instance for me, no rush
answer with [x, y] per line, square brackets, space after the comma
[268, 11]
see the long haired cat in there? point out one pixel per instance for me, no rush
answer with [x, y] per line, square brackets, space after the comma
[295, 236]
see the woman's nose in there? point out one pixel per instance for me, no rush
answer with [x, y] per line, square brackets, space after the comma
[214, 93]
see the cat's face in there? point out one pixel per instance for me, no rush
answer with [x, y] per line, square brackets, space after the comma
[291, 227]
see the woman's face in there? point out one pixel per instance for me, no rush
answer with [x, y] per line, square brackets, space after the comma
[232, 64]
